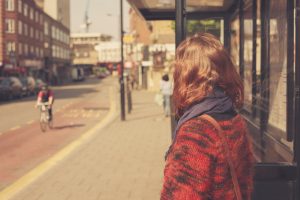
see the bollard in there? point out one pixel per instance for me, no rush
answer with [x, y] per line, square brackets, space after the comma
[128, 94]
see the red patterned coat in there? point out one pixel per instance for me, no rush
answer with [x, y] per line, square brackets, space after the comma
[196, 167]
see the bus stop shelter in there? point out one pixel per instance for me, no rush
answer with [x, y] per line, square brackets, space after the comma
[276, 177]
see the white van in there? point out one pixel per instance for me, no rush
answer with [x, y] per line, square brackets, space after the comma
[77, 74]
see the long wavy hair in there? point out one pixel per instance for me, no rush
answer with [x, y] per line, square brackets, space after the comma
[202, 63]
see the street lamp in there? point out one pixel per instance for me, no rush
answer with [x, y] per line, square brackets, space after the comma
[121, 78]
[122, 88]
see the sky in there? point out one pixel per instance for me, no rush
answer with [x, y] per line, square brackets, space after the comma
[104, 14]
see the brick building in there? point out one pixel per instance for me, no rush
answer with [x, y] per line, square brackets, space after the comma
[153, 48]
[31, 42]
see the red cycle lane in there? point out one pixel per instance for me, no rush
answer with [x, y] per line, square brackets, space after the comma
[23, 149]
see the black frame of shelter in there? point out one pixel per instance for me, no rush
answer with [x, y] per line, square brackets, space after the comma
[266, 174]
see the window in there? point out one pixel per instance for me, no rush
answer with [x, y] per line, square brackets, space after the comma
[57, 34]
[25, 7]
[31, 32]
[25, 29]
[10, 26]
[10, 5]
[31, 50]
[31, 13]
[10, 48]
[36, 16]
[20, 25]
[20, 50]
[37, 35]
[41, 19]
[53, 32]
[25, 49]
[54, 51]
[278, 65]
[37, 52]
[46, 28]
[20, 6]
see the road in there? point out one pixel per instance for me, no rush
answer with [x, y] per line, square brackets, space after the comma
[78, 107]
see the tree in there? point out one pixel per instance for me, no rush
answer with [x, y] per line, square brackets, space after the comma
[207, 25]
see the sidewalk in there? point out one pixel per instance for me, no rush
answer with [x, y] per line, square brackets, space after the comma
[122, 161]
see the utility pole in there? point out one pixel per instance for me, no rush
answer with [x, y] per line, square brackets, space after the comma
[122, 89]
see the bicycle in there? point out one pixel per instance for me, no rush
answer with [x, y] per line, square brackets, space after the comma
[44, 117]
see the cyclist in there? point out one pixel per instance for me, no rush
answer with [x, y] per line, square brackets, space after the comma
[45, 95]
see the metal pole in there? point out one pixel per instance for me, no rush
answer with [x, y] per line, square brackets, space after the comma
[297, 99]
[122, 88]
[180, 21]
[290, 72]
[180, 24]
[254, 46]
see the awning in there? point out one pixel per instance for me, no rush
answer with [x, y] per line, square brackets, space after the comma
[165, 9]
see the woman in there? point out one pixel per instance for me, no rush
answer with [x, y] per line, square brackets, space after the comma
[197, 167]
[166, 90]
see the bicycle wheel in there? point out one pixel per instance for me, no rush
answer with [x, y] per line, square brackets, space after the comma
[43, 121]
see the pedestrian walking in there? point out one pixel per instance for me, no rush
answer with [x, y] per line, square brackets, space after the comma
[166, 90]
[211, 156]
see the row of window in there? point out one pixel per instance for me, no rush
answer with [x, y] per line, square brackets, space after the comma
[86, 39]
[25, 49]
[25, 29]
[58, 34]
[34, 15]
[59, 52]
[24, 9]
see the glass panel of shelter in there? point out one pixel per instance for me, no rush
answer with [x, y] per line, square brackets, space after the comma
[277, 71]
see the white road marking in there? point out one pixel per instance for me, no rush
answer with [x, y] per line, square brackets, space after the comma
[30, 122]
[15, 128]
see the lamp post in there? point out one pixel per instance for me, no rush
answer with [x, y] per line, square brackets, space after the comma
[121, 70]
[122, 88]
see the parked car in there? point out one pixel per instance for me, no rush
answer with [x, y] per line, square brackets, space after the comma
[5, 90]
[28, 85]
[102, 72]
[24, 83]
[15, 86]
[31, 85]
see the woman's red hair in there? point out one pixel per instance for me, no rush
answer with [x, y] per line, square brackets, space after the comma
[201, 64]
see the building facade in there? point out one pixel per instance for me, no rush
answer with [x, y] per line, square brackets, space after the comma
[57, 9]
[84, 53]
[31, 42]
[152, 48]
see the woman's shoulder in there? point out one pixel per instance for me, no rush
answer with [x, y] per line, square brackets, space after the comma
[202, 126]
[198, 127]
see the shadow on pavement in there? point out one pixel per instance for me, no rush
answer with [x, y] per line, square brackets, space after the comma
[95, 108]
[68, 126]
